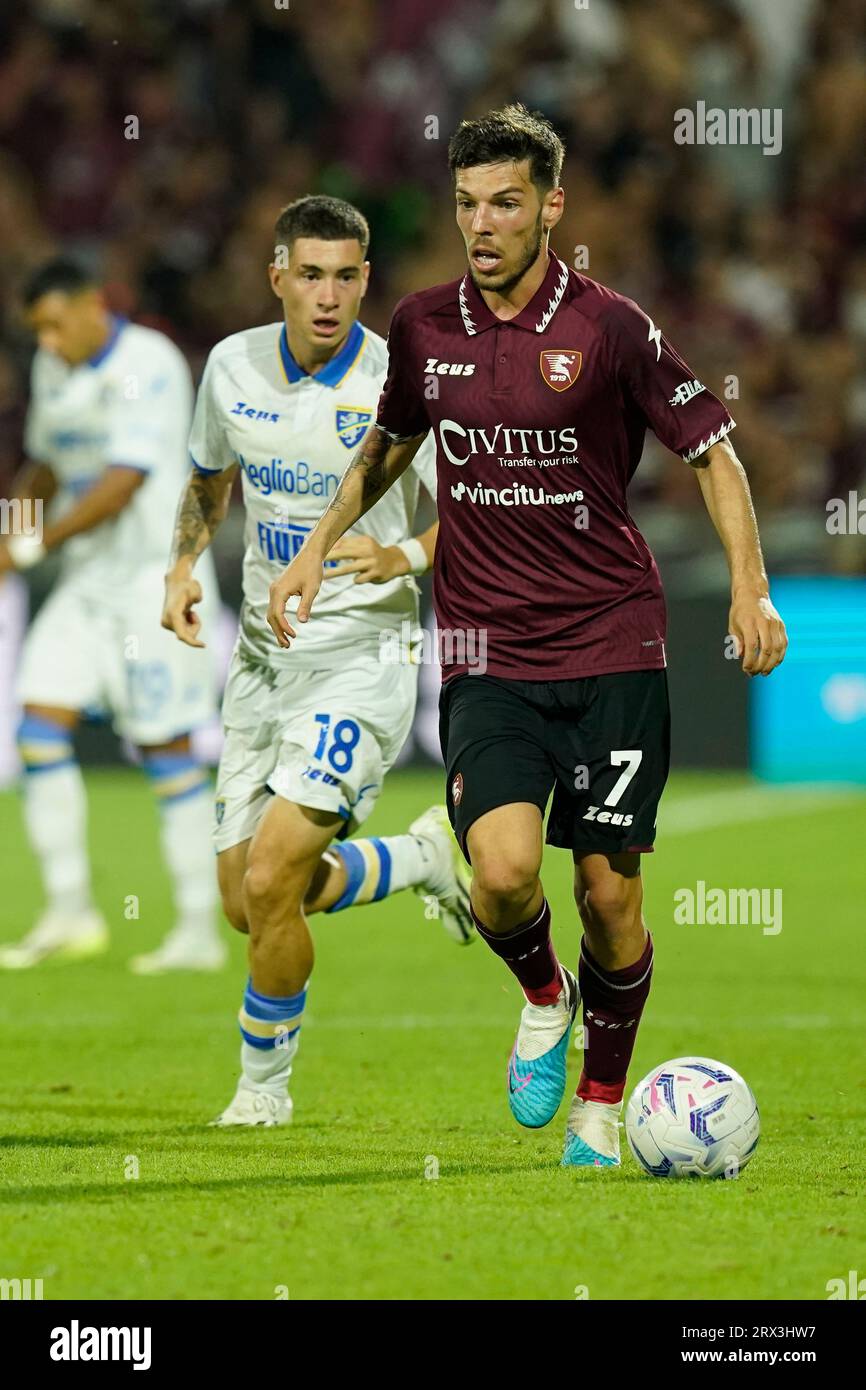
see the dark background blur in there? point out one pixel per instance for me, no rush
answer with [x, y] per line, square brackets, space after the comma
[753, 265]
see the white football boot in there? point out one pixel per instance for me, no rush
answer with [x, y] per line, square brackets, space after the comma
[182, 950]
[254, 1105]
[450, 876]
[58, 936]
[592, 1135]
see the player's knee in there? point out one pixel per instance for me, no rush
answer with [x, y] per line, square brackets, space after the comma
[259, 888]
[267, 890]
[502, 881]
[610, 900]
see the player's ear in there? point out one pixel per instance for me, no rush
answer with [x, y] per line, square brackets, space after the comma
[552, 207]
[365, 277]
[274, 273]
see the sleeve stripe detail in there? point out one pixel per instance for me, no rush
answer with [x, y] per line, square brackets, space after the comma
[709, 441]
[137, 467]
[201, 468]
[398, 438]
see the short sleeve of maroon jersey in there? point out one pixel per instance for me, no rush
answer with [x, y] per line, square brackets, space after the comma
[401, 412]
[679, 409]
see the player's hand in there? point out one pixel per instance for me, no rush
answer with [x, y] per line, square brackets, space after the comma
[370, 562]
[304, 577]
[182, 592]
[759, 633]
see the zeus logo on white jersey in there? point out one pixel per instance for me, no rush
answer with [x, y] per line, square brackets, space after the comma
[448, 368]
[241, 408]
[504, 439]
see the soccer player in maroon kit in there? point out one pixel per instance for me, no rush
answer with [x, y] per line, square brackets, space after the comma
[539, 385]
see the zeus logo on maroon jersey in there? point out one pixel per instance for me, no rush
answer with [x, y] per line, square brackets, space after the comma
[449, 368]
[560, 367]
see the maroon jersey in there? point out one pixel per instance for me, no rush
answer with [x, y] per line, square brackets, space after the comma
[539, 424]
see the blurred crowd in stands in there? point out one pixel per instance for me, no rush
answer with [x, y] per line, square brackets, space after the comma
[754, 265]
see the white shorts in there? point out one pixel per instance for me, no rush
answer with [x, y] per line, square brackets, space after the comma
[97, 658]
[323, 739]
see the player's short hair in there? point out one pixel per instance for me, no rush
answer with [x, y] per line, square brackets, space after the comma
[512, 133]
[322, 217]
[61, 274]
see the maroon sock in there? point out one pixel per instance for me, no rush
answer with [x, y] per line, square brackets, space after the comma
[613, 1002]
[528, 952]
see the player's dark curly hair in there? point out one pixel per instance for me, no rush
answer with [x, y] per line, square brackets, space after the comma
[511, 133]
[322, 217]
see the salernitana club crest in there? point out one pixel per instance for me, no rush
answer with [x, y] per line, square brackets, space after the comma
[352, 425]
[560, 367]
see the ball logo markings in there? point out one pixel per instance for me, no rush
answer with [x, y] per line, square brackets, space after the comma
[692, 1117]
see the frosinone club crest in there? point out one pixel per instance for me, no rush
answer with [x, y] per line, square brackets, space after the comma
[352, 425]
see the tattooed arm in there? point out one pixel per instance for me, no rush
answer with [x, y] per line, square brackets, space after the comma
[378, 463]
[203, 505]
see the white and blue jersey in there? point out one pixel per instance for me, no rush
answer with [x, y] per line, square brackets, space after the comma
[128, 406]
[293, 436]
[96, 643]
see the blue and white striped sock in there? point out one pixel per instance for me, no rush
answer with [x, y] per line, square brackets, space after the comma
[175, 777]
[55, 812]
[182, 786]
[270, 1032]
[377, 867]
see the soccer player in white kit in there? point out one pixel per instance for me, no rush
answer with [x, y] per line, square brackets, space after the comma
[106, 436]
[309, 738]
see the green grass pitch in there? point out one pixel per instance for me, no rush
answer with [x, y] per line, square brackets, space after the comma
[401, 1076]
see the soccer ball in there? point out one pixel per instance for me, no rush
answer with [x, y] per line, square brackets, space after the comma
[692, 1117]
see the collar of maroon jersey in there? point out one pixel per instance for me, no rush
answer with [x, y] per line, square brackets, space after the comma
[535, 315]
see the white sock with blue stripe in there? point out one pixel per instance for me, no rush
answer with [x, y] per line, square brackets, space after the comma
[270, 1032]
[377, 867]
[55, 813]
[182, 787]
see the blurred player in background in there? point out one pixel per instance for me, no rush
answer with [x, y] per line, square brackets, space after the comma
[547, 382]
[106, 436]
[308, 740]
